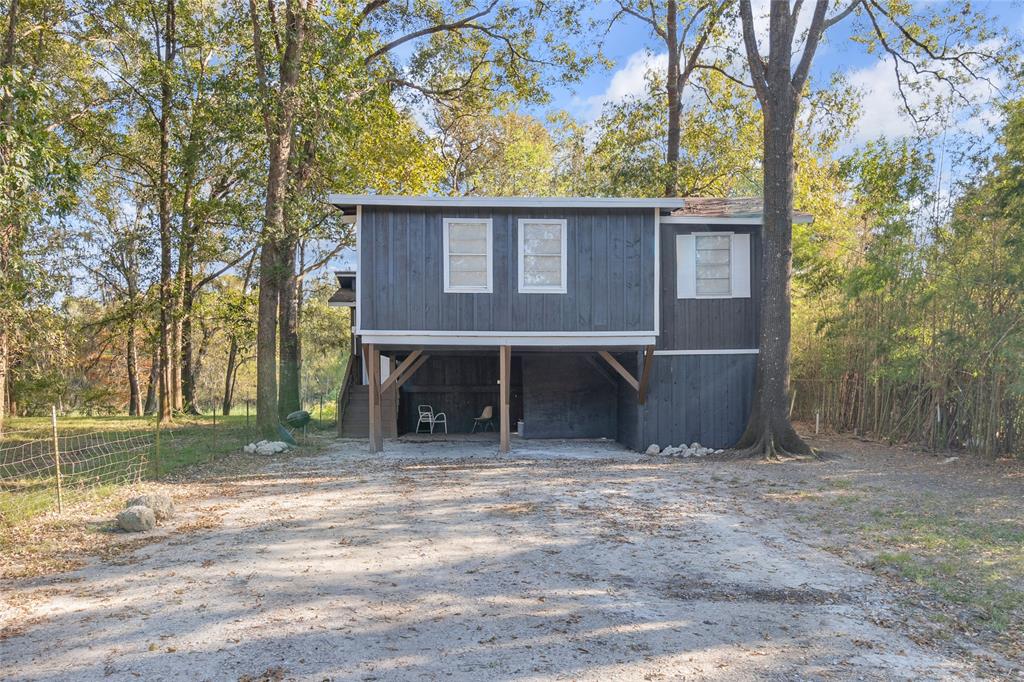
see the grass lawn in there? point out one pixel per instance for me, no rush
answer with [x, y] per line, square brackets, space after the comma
[104, 460]
[951, 533]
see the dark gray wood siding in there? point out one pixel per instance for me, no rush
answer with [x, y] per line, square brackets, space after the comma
[568, 395]
[460, 386]
[714, 323]
[703, 398]
[610, 273]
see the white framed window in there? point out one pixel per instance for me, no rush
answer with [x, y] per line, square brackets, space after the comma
[713, 265]
[468, 255]
[543, 256]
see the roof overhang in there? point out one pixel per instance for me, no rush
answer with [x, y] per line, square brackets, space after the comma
[350, 201]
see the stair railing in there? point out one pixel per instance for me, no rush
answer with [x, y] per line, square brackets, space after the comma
[346, 380]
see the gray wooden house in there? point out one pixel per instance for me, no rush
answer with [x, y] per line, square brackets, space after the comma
[631, 319]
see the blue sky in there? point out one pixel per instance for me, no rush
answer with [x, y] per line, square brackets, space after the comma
[632, 48]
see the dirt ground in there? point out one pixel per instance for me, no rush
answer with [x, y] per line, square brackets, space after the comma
[565, 561]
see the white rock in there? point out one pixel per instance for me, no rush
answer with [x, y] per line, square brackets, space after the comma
[669, 451]
[270, 447]
[694, 446]
[719, 451]
[162, 505]
[652, 449]
[136, 519]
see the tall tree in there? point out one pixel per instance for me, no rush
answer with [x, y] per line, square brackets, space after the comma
[687, 28]
[457, 47]
[779, 80]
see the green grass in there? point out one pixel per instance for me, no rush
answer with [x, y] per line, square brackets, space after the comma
[975, 564]
[189, 441]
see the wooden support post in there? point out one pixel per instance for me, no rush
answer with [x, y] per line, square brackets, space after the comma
[56, 458]
[505, 366]
[645, 375]
[372, 358]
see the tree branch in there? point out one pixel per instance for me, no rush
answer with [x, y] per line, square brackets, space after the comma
[437, 28]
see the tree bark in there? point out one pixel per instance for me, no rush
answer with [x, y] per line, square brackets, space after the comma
[154, 380]
[229, 379]
[4, 347]
[278, 118]
[132, 361]
[166, 383]
[674, 100]
[769, 431]
[288, 316]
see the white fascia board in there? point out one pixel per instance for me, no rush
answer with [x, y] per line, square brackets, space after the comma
[503, 202]
[710, 351]
[698, 220]
[495, 339]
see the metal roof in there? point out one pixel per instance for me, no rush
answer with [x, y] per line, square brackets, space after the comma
[345, 200]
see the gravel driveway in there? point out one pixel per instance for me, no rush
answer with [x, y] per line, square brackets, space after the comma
[578, 561]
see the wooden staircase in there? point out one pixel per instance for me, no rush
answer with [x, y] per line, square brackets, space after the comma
[354, 419]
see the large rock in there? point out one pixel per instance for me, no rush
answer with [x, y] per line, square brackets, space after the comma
[270, 447]
[136, 519]
[652, 449]
[162, 505]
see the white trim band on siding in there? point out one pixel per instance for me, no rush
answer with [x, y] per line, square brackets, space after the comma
[710, 351]
[708, 220]
[519, 340]
[456, 333]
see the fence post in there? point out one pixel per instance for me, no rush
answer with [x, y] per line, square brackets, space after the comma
[56, 458]
[321, 410]
[156, 454]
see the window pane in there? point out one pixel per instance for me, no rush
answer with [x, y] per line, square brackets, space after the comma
[542, 271]
[540, 238]
[467, 278]
[712, 271]
[713, 287]
[712, 256]
[467, 238]
[713, 241]
[467, 264]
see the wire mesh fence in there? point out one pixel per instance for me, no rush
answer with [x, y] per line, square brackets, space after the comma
[40, 467]
[48, 463]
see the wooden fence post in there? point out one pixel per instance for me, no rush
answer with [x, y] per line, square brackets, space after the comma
[156, 454]
[56, 458]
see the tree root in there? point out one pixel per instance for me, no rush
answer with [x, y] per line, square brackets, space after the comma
[768, 448]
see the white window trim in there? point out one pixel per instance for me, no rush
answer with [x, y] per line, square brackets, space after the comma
[534, 289]
[462, 289]
[733, 264]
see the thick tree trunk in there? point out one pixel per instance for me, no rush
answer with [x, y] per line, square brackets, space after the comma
[288, 326]
[229, 379]
[4, 347]
[132, 361]
[154, 380]
[278, 122]
[188, 364]
[674, 101]
[266, 341]
[166, 385]
[769, 430]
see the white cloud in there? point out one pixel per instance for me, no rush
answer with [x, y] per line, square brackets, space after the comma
[882, 111]
[627, 81]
